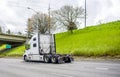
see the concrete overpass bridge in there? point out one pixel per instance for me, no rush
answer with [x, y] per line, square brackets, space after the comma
[12, 39]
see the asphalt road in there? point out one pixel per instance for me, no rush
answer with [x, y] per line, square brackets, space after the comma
[19, 68]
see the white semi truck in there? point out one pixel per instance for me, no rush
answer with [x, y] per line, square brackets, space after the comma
[42, 47]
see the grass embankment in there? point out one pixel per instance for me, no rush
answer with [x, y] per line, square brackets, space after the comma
[2, 47]
[100, 40]
[17, 51]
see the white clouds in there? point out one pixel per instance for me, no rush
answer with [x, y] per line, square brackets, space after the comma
[14, 13]
[104, 10]
[9, 16]
[116, 7]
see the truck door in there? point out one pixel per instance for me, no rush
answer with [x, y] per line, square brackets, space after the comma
[34, 46]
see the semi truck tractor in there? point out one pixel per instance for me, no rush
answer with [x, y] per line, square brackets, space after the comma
[42, 47]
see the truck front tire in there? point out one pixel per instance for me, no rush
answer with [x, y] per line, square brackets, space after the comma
[25, 58]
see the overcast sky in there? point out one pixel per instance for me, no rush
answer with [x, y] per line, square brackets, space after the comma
[14, 13]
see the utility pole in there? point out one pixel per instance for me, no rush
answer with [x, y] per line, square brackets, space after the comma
[49, 17]
[85, 13]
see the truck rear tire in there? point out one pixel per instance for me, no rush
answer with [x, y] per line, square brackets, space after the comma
[57, 60]
[46, 59]
[69, 60]
[60, 61]
[54, 59]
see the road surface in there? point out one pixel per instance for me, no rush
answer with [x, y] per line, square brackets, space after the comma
[19, 68]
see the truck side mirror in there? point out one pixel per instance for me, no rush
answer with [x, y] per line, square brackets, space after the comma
[27, 46]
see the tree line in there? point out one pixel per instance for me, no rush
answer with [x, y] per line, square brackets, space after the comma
[8, 32]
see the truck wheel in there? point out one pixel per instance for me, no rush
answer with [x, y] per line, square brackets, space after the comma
[54, 60]
[46, 59]
[69, 60]
[25, 58]
[60, 60]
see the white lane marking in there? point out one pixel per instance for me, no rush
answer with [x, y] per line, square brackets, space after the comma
[62, 75]
[102, 68]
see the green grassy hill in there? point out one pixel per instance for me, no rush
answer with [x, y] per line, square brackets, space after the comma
[100, 40]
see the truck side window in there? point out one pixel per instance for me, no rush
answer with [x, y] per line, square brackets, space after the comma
[34, 45]
[34, 39]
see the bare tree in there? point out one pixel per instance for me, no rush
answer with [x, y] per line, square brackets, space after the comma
[68, 16]
[29, 28]
[40, 21]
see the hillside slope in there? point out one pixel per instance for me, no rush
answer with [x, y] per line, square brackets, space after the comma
[17, 51]
[100, 40]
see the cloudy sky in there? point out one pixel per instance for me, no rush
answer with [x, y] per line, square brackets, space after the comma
[14, 13]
